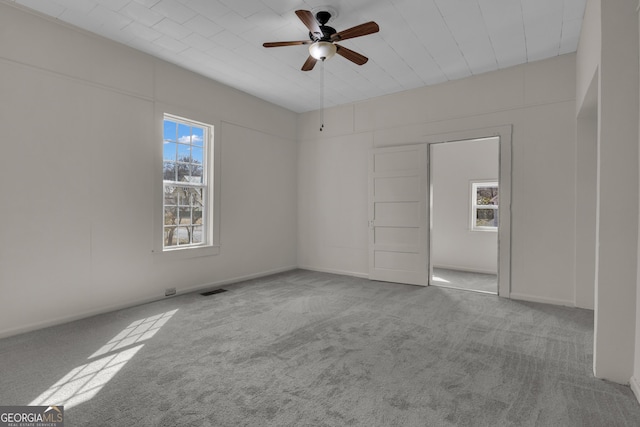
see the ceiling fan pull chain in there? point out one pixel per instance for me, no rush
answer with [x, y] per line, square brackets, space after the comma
[322, 96]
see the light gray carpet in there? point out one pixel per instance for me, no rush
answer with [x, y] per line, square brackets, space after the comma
[313, 349]
[465, 280]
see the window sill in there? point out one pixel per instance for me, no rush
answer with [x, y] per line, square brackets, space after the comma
[186, 253]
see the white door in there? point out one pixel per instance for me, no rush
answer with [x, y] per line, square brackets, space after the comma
[398, 243]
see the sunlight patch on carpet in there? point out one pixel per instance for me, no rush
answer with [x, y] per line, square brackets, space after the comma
[84, 382]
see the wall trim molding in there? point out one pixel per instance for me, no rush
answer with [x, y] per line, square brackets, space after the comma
[77, 79]
[66, 319]
[220, 283]
[334, 271]
[464, 269]
[533, 298]
[635, 387]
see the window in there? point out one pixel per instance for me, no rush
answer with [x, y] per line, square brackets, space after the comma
[186, 182]
[484, 206]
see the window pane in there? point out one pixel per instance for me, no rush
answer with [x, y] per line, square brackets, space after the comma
[487, 196]
[196, 155]
[197, 234]
[183, 172]
[169, 151]
[170, 216]
[183, 197]
[198, 201]
[197, 215]
[185, 216]
[169, 172]
[196, 174]
[184, 153]
[170, 237]
[170, 196]
[198, 136]
[184, 133]
[170, 130]
[486, 217]
[184, 235]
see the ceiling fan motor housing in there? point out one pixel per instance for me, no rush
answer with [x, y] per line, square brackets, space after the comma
[323, 17]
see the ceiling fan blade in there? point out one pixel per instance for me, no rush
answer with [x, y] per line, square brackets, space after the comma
[352, 56]
[310, 22]
[309, 63]
[292, 43]
[357, 31]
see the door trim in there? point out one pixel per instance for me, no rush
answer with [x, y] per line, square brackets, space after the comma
[504, 228]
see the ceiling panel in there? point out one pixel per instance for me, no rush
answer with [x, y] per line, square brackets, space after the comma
[172, 9]
[505, 27]
[421, 42]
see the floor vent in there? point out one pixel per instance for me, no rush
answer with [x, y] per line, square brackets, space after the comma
[215, 291]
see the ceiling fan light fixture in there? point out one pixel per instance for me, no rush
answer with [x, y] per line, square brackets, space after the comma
[322, 50]
[322, 38]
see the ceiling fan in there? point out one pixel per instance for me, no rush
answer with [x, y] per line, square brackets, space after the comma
[323, 38]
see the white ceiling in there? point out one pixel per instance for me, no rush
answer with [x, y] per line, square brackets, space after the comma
[421, 42]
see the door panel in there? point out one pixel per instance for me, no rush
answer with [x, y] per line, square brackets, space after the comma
[397, 188]
[395, 161]
[395, 260]
[396, 236]
[399, 214]
[398, 243]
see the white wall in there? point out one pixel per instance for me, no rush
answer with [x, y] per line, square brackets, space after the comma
[453, 166]
[80, 121]
[587, 92]
[586, 194]
[609, 50]
[635, 379]
[538, 99]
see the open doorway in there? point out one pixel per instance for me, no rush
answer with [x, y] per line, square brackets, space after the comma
[464, 213]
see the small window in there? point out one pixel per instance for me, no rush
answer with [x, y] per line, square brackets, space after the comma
[186, 182]
[484, 206]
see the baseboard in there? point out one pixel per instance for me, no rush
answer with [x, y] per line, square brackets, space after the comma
[334, 271]
[224, 282]
[465, 269]
[67, 319]
[532, 298]
[103, 310]
[635, 387]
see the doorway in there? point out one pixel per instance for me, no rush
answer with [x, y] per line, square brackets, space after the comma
[464, 214]
[399, 208]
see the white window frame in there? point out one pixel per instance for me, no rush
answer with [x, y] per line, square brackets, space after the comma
[475, 184]
[211, 238]
[203, 186]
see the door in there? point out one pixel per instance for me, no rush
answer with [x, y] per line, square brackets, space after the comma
[398, 241]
